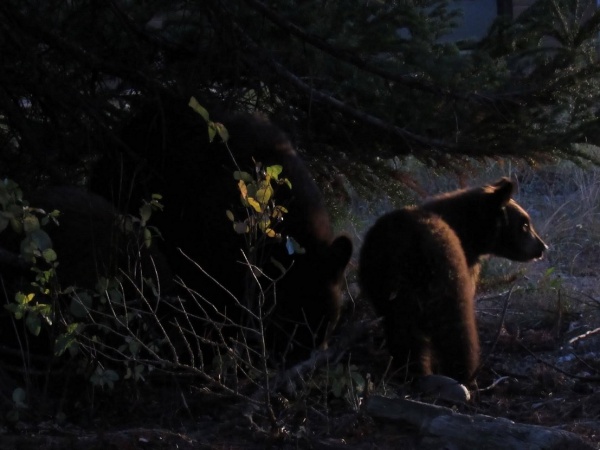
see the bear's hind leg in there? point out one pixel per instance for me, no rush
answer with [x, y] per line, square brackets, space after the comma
[456, 346]
[409, 347]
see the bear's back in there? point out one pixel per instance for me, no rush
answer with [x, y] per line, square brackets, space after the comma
[413, 251]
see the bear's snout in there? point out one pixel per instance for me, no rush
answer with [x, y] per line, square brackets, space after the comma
[542, 248]
[534, 248]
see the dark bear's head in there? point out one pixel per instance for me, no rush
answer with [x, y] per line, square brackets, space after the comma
[516, 238]
[488, 221]
[309, 296]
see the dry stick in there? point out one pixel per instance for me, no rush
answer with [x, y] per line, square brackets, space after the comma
[286, 380]
[263, 346]
[558, 369]
[502, 317]
[585, 335]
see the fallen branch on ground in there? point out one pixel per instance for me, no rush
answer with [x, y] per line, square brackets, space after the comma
[440, 426]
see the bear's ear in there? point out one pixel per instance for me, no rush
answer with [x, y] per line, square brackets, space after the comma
[503, 190]
[340, 252]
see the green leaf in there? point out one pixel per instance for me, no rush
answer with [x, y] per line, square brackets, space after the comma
[145, 213]
[244, 176]
[17, 310]
[134, 347]
[33, 323]
[147, 237]
[241, 227]
[30, 223]
[80, 305]
[4, 221]
[198, 108]
[104, 377]
[138, 371]
[359, 381]
[126, 223]
[16, 225]
[41, 239]
[279, 266]
[49, 255]
[44, 310]
[65, 340]
[19, 395]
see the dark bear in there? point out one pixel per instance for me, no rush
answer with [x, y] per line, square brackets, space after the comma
[89, 240]
[91, 243]
[419, 267]
[196, 180]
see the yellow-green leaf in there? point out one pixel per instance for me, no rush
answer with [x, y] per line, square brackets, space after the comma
[278, 212]
[223, 133]
[254, 204]
[212, 131]
[198, 108]
[264, 224]
[264, 194]
[274, 171]
[243, 189]
[24, 299]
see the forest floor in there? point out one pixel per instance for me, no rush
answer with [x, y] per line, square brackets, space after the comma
[540, 331]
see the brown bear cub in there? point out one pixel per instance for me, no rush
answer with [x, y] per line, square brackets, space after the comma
[419, 266]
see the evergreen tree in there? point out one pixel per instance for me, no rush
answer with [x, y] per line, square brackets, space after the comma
[374, 78]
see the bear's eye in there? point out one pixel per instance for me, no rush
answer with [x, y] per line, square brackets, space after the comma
[525, 227]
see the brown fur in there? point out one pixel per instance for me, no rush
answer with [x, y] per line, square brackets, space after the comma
[196, 181]
[419, 267]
